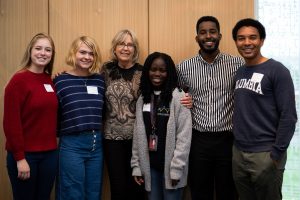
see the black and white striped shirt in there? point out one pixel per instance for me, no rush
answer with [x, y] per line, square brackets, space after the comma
[211, 86]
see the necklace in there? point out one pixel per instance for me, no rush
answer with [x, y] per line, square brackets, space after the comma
[84, 80]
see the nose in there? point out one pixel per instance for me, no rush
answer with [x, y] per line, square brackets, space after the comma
[208, 34]
[43, 51]
[87, 56]
[157, 73]
[247, 41]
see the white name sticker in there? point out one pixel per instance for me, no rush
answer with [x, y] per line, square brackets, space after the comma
[92, 90]
[146, 107]
[48, 88]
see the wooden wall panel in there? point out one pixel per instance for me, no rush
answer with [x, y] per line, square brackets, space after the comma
[100, 19]
[172, 24]
[19, 21]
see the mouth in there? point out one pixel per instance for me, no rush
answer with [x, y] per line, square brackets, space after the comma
[42, 59]
[209, 44]
[247, 50]
[156, 81]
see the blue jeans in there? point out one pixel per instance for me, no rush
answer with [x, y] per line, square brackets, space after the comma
[43, 169]
[80, 166]
[158, 188]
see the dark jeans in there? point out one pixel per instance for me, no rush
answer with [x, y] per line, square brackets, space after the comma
[118, 157]
[256, 176]
[210, 166]
[43, 169]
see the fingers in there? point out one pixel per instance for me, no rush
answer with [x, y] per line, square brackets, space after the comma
[139, 180]
[24, 175]
[174, 182]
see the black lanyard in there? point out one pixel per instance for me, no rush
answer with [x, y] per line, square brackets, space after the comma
[153, 112]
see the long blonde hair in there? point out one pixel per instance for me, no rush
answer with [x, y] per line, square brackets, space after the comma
[26, 61]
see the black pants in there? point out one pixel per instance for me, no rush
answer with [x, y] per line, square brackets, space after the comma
[118, 157]
[210, 167]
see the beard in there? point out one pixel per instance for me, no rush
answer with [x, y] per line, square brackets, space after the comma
[209, 50]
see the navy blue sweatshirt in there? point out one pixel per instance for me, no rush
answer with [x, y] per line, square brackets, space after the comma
[264, 108]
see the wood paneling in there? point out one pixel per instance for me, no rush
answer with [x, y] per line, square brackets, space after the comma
[100, 19]
[19, 21]
[172, 24]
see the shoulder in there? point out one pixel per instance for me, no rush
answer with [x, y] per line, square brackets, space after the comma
[19, 78]
[232, 59]
[177, 95]
[188, 61]
[61, 77]
[139, 67]
[277, 70]
[108, 66]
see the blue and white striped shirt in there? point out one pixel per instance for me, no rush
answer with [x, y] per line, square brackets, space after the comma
[80, 101]
[211, 86]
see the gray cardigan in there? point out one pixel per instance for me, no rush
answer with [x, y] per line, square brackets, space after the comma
[178, 142]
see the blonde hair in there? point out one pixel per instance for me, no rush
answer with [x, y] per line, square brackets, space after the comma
[26, 61]
[92, 44]
[119, 38]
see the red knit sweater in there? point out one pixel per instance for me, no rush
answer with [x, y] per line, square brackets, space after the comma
[30, 114]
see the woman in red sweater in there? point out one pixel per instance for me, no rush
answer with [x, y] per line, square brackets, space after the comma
[29, 122]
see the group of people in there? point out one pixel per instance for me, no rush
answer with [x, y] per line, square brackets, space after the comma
[227, 138]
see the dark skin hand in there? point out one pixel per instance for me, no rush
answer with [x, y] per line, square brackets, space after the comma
[139, 180]
[174, 182]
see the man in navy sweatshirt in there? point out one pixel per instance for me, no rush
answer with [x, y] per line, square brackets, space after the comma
[264, 116]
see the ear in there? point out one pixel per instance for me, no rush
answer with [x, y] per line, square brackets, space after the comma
[196, 38]
[262, 42]
[220, 36]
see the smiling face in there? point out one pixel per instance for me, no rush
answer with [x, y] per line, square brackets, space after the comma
[249, 43]
[158, 73]
[41, 55]
[208, 37]
[84, 57]
[124, 51]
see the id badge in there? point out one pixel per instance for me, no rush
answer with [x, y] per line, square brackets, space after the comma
[152, 142]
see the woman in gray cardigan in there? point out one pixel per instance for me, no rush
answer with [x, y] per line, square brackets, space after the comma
[162, 132]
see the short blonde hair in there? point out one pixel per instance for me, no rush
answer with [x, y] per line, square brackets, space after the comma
[92, 44]
[119, 38]
[26, 60]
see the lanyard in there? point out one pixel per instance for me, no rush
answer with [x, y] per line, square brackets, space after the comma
[153, 112]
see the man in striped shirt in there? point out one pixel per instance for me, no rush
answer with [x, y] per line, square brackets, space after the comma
[209, 79]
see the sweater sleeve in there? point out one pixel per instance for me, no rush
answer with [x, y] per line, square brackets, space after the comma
[135, 161]
[183, 134]
[285, 100]
[14, 100]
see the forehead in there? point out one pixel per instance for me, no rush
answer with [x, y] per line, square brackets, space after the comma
[158, 62]
[42, 42]
[247, 30]
[126, 38]
[207, 25]
[83, 46]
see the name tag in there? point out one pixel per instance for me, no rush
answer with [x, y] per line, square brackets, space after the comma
[92, 90]
[48, 88]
